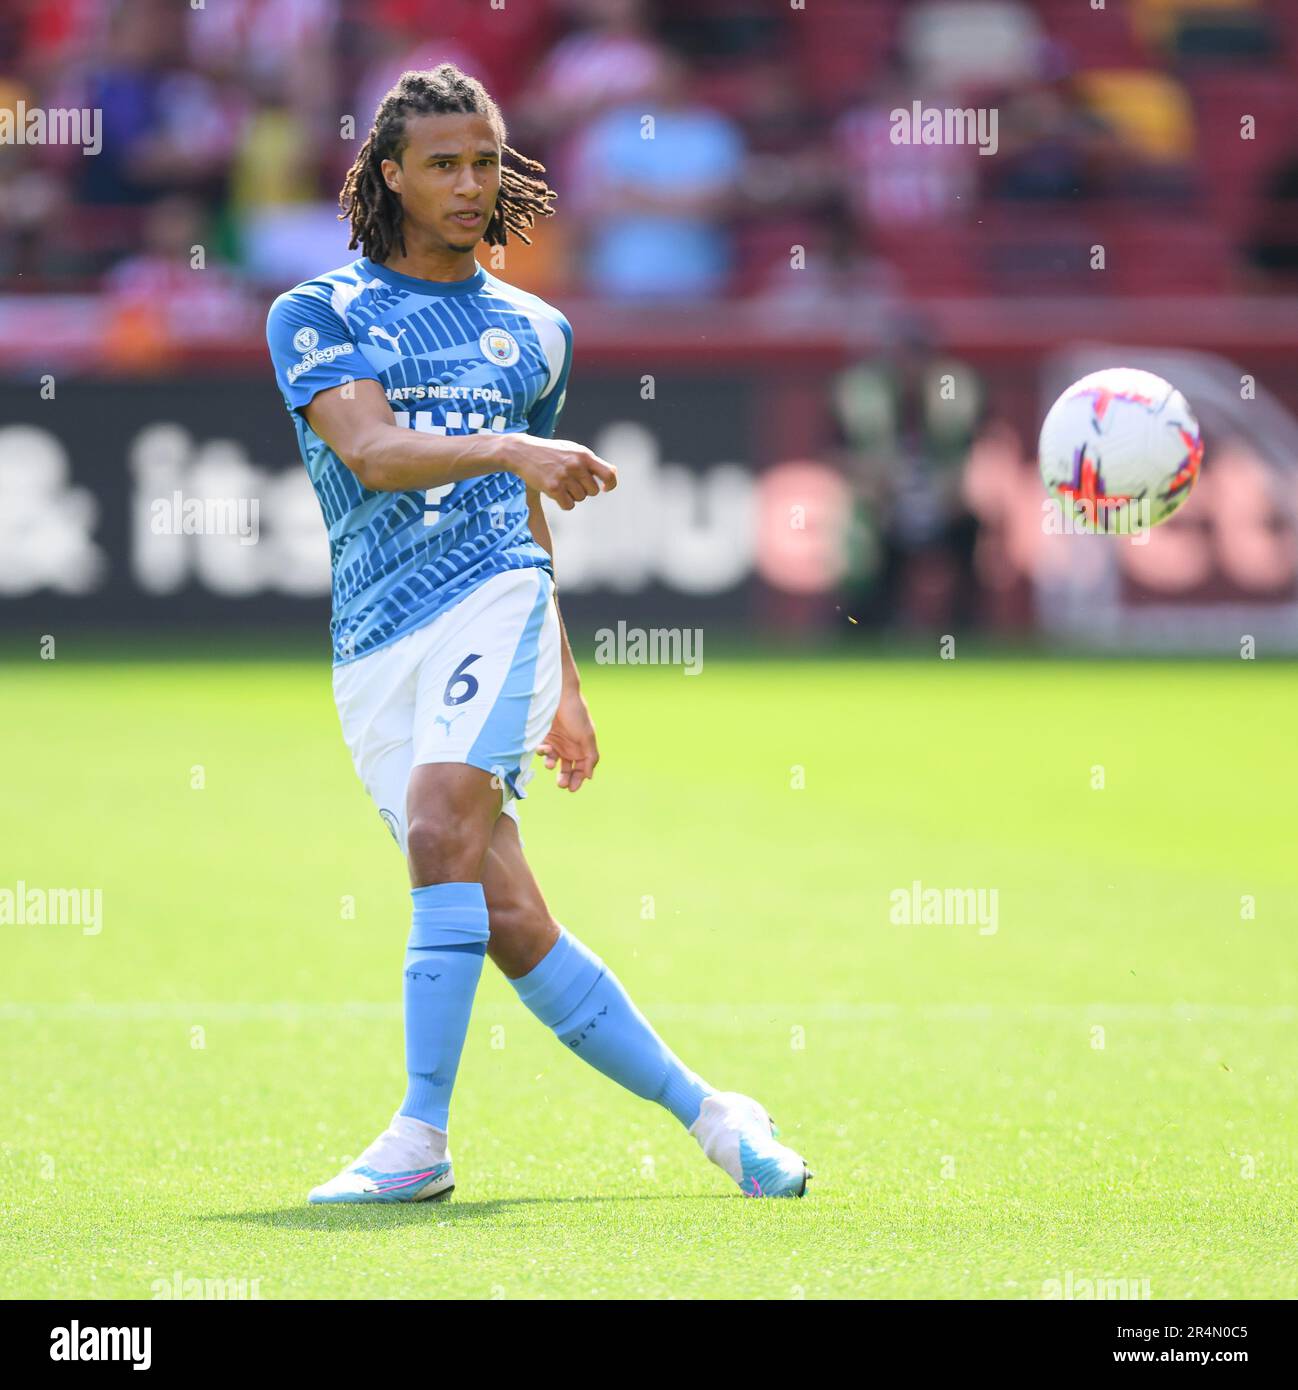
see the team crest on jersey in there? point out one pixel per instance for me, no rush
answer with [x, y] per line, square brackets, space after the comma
[499, 346]
[305, 339]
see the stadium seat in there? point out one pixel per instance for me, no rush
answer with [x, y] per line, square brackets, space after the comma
[840, 47]
[1046, 250]
[1094, 38]
[934, 260]
[762, 249]
[1152, 253]
[1208, 31]
[1231, 168]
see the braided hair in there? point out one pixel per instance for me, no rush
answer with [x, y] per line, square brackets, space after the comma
[374, 210]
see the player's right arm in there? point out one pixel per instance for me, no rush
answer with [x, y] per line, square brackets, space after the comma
[357, 423]
[322, 373]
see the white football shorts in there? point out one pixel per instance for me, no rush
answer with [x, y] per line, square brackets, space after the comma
[479, 685]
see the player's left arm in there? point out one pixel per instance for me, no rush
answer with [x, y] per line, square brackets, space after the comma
[571, 741]
[570, 744]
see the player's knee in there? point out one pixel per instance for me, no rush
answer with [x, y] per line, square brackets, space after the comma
[443, 849]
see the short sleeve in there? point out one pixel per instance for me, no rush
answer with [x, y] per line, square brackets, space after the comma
[543, 418]
[311, 348]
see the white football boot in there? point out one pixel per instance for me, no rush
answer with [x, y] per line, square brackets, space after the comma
[739, 1136]
[408, 1162]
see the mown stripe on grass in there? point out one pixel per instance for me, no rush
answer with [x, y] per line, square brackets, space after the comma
[291, 1010]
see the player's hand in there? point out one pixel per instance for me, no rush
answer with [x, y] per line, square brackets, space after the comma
[571, 742]
[563, 470]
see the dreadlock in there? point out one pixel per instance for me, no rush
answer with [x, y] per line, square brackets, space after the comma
[375, 211]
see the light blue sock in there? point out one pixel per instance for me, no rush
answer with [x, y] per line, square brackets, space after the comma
[576, 994]
[448, 939]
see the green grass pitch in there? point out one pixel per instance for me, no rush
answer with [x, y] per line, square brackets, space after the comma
[1103, 1087]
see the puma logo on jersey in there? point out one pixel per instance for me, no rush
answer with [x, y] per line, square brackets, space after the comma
[442, 719]
[377, 331]
[346, 292]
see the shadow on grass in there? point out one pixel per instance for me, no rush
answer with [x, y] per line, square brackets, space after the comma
[354, 1215]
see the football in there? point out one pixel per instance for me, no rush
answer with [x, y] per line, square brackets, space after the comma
[1120, 450]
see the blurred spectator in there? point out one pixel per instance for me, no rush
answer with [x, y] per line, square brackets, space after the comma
[901, 186]
[1046, 147]
[610, 58]
[908, 417]
[165, 126]
[48, 39]
[282, 54]
[784, 164]
[501, 46]
[723, 33]
[174, 294]
[1150, 124]
[655, 198]
[285, 226]
[1149, 111]
[784, 121]
[398, 52]
[31, 197]
[971, 42]
[840, 268]
[275, 163]
[282, 42]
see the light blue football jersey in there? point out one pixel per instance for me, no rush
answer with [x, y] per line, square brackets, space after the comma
[473, 356]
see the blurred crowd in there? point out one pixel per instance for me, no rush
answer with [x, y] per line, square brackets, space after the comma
[1164, 132]
[226, 127]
